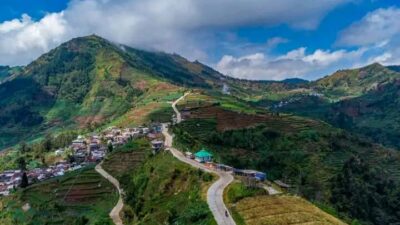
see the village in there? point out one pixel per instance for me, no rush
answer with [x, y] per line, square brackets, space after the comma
[92, 148]
[85, 150]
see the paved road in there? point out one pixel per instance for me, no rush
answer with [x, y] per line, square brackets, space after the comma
[177, 113]
[215, 192]
[114, 214]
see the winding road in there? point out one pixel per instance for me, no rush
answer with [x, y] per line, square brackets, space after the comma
[216, 192]
[114, 214]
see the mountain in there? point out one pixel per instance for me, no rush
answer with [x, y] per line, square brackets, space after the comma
[87, 82]
[366, 102]
[354, 82]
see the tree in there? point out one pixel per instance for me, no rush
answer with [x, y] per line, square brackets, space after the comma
[110, 147]
[24, 180]
[47, 142]
[21, 163]
[23, 147]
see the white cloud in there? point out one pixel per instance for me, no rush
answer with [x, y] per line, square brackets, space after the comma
[379, 31]
[378, 26]
[169, 25]
[22, 40]
[295, 63]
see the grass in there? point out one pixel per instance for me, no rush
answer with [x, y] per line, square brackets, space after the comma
[82, 195]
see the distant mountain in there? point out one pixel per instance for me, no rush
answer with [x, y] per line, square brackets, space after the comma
[367, 102]
[394, 68]
[295, 81]
[86, 82]
[354, 82]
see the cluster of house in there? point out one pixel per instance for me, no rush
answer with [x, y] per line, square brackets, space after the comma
[204, 156]
[85, 150]
[11, 179]
[296, 99]
[94, 147]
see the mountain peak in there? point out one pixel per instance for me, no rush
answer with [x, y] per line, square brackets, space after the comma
[373, 66]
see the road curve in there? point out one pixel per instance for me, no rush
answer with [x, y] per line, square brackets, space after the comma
[115, 212]
[216, 192]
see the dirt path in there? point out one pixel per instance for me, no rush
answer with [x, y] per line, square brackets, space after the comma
[114, 214]
[215, 192]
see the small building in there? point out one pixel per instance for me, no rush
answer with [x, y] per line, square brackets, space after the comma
[203, 156]
[223, 167]
[257, 175]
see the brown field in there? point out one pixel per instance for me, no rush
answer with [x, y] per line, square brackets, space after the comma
[195, 100]
[138, 115]
[282, 210]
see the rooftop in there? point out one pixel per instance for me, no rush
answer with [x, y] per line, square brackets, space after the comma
[203, 153]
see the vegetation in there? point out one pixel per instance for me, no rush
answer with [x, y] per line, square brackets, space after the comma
[305, 153]
[166, 191]
[372, 115]
[80, 197]
[377, 202]
[39, 153]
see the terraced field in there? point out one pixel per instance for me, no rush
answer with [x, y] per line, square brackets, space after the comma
[78, 196]
[229, 120]
[282, 210]
[121, 162]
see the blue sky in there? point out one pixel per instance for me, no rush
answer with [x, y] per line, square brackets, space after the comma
[252, 39]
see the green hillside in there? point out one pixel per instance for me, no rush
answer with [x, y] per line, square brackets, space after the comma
[313, 156]
[166, 191]
[374, 114]
[354, 82]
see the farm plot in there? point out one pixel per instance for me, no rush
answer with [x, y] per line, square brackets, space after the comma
[121, 162]
[81, 195]
[230, 120]
[282, 210]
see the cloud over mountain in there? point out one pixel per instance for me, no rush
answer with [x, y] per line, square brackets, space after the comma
[168, 25]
